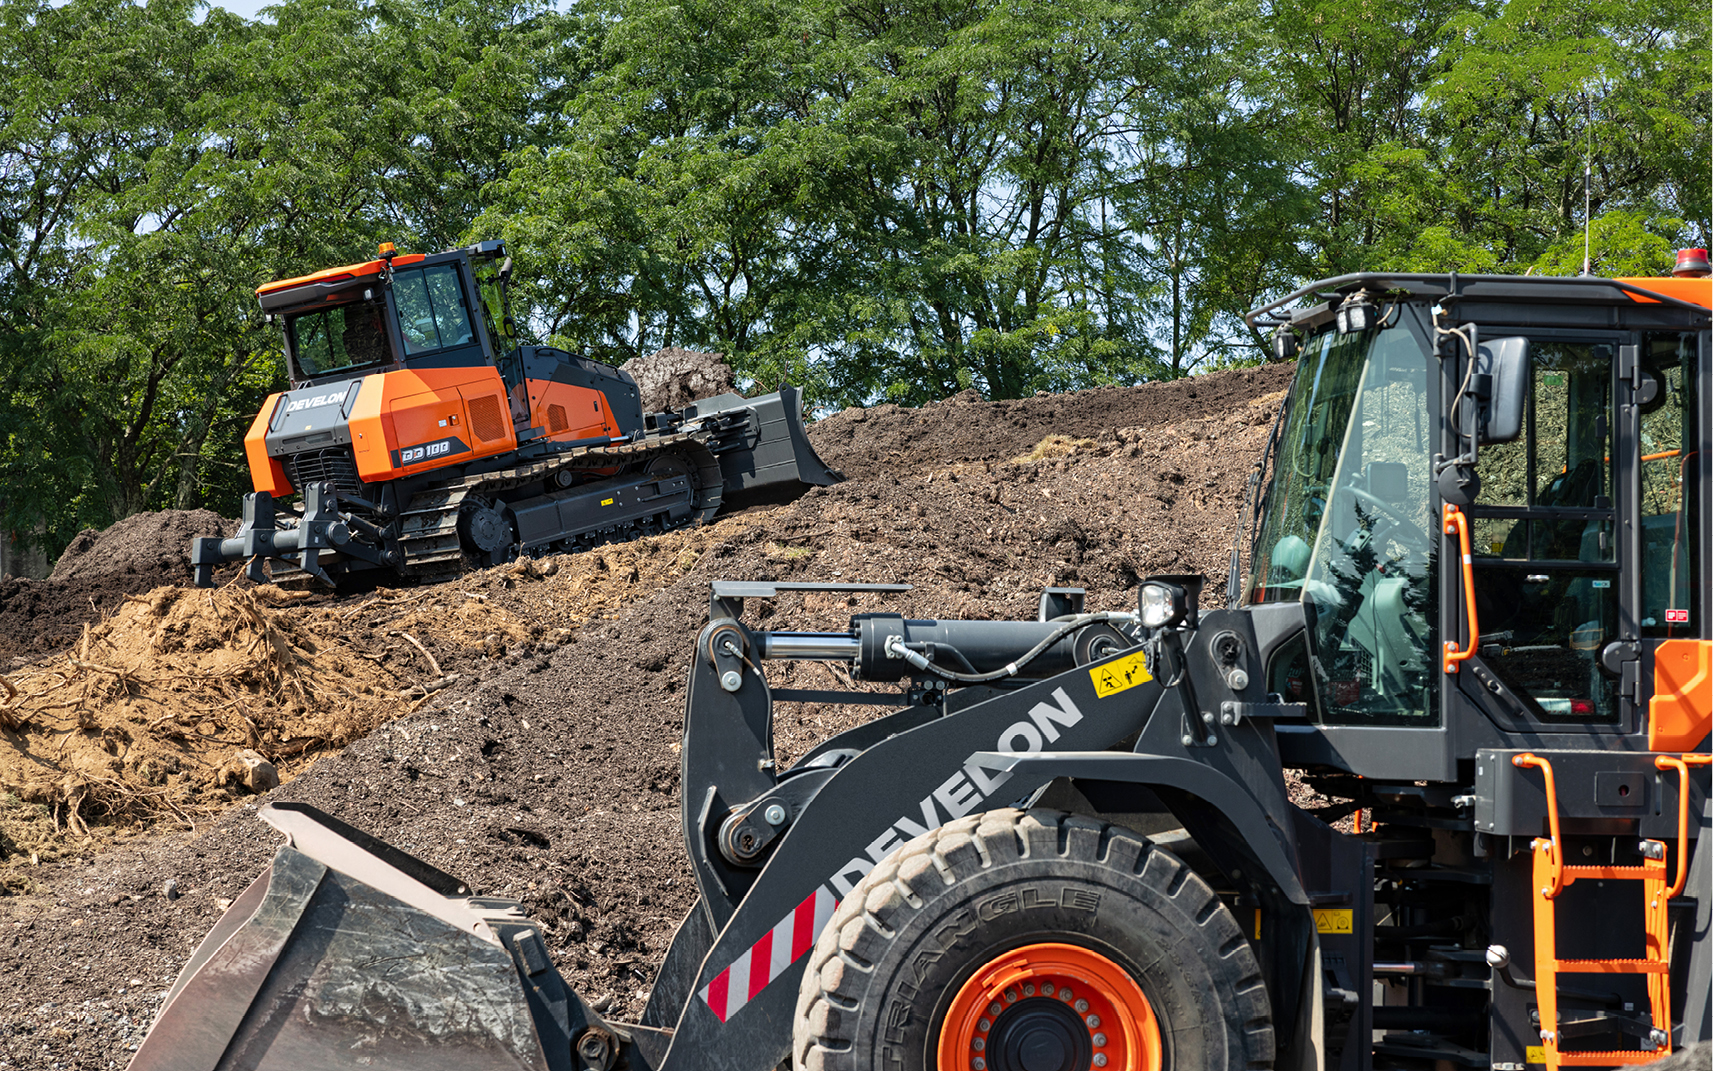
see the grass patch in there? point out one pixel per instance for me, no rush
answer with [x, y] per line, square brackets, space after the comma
[1052, 446]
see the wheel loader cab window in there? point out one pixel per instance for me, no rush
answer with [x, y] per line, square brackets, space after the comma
[338, 339]
[1346, 528]
[1545, 549]
[432, 312]
[1671, 502]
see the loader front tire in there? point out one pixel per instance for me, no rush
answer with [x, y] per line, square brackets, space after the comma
[954, 954]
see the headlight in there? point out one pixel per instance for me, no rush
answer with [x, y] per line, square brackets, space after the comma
[1161, 605]
[1284, 343]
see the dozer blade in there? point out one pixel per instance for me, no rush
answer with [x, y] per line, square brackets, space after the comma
[771, 458]
[350, 953]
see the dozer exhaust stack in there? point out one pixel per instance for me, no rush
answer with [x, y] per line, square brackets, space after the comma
[347, 945]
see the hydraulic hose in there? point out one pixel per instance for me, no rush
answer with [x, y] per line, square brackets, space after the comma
[896, 647]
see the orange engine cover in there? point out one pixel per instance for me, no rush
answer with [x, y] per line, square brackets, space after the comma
[414, 420]
[266, 473]
[569, 412]
[397, 424]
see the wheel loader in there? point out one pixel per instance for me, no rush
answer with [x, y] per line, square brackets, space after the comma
[419, 433]
[1471, 613]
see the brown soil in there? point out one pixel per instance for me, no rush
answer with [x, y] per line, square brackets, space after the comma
[547, 770]
[154, 545]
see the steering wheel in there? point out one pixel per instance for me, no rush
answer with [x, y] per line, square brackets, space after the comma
[1421, 541]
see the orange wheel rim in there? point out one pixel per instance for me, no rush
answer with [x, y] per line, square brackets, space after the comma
[1050, 1007]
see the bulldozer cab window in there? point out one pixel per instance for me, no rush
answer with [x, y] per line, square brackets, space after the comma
[1670, 500]
[1347, 527]
[432, 312]
[1545, 550]
[342, 338]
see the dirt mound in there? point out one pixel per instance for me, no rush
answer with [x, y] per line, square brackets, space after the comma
[890, 440]
[155, 546]
[672, 378]
[95, 573]
[548, 770]
[137, 723]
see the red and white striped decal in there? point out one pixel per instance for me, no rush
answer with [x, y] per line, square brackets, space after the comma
[767, 959]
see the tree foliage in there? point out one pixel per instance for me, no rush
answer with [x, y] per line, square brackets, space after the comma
[873, 199]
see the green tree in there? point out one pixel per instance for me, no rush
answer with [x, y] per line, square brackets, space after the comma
[1539, 94]
[163, 161]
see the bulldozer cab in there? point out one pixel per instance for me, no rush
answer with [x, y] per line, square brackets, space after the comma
[399, 311]
[1581, 508]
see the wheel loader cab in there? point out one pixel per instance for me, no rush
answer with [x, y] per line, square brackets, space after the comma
[1581, 508]
[1347, 528]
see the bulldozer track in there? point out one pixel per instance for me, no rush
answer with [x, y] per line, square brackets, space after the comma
[428, 525]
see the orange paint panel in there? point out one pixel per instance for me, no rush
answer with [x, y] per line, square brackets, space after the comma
[266, 473]
[1681, 710]
[1699, 291]
[348, 271]
[424, 419]
[569, 412]
[369, 430]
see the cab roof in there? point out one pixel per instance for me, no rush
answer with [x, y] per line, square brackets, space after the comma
[1694, 296]
[336, 275]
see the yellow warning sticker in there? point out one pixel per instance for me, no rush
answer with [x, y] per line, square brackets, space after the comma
[1333, 919]
[1115, 677]
[1536, 1054]
[606, 501]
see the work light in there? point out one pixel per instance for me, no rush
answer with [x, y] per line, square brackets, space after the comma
[1161, 605]
[1357, 314]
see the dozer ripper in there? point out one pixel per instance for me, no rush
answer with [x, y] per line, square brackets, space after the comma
[419, 434]
[1474, 611]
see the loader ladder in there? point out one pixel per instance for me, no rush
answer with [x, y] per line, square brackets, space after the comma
[1551, 876]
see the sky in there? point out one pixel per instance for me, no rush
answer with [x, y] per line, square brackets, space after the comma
[246, 8]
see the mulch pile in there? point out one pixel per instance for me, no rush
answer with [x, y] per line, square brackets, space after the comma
[547, 768]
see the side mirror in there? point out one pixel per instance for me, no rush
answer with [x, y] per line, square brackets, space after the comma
[1505, 364]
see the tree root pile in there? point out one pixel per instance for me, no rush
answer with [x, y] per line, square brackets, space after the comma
[141, 722]
[159, 713]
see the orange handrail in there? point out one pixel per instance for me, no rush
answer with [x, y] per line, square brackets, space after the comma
[1458, 524]
[1557, 853]
[1681, 765]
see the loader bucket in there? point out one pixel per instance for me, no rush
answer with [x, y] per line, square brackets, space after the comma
[350, 953]
[769, 459]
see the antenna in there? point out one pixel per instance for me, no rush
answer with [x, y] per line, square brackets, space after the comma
[1587, 196]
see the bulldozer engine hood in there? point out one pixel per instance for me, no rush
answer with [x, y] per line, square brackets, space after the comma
[312, 418]
[379, 427]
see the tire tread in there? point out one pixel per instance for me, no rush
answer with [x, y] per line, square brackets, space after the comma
[843, 959]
